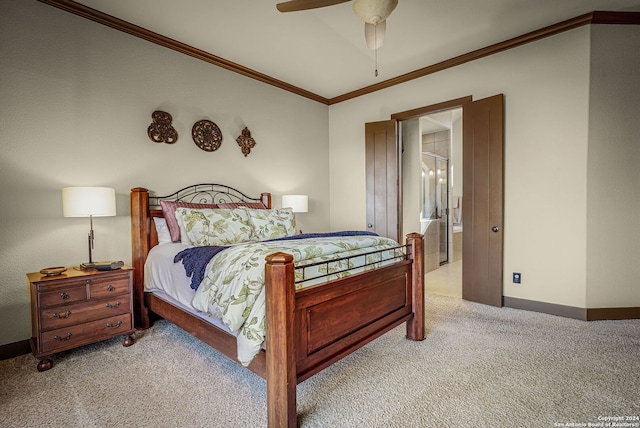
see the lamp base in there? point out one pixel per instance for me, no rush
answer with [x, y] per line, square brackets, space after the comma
[87, 266]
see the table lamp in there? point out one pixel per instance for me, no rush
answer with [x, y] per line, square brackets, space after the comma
[89, 202]
[297, 203]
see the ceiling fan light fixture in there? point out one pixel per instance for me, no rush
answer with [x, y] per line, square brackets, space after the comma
[374, 11]
[374, 34]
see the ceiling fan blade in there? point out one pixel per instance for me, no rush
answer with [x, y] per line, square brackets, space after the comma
[295, 5]
[374, 34]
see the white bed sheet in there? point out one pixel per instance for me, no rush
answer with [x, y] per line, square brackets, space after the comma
[169, 281]
[162, 274]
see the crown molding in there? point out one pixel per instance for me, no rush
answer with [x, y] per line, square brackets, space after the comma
[632, 18]
[597, 17]
[159, 39]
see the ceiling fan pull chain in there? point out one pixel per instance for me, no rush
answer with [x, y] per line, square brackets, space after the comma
[376, 51]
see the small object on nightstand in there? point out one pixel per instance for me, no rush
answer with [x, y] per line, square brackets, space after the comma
[53, 271]
[108, 265]
[79, 308]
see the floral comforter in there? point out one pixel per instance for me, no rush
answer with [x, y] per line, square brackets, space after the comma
[233, 286]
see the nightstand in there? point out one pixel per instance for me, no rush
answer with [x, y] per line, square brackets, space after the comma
[79, 307]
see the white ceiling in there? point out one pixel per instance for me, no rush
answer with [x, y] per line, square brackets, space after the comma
[323, 50]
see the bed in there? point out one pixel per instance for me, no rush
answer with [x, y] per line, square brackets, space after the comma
[307, 327]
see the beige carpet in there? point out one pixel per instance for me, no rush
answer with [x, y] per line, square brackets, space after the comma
[480, 366]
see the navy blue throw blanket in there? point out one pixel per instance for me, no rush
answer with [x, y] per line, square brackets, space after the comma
[195, 259]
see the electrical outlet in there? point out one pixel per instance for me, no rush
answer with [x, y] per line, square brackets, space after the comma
[517, 277]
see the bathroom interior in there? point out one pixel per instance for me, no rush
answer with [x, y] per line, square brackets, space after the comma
[441, 204]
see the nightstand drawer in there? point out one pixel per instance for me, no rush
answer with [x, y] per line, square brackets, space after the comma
[82, 334]
[111, 287]
[61, 316]
[62, 295]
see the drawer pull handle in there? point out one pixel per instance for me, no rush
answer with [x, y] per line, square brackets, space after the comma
[57, 315]
[63, 339]
[110, 287]
[64, 295]
[109, 305]
[118, 324]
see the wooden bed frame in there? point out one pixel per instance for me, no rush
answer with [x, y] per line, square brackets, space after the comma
[306, 330]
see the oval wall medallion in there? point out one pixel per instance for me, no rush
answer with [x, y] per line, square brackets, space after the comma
[206, 135]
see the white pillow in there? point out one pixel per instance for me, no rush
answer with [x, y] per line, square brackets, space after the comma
[162, 230]
[214, 226]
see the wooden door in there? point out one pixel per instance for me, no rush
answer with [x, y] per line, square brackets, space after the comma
[382, 155]
[482, 213]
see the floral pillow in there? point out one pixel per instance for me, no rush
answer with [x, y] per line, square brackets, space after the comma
[169, 213]
[215, 226]
[271, 224]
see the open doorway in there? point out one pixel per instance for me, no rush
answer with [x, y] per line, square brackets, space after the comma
[440, 207]
[482, 218]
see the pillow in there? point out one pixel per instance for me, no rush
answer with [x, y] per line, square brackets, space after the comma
[271, 224]
[184, 238]
[215, 226]
[162, 230]
[231, 205]
[169, 210]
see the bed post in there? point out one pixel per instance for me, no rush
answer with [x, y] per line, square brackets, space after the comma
[140, 248]
[265, 198]
[281, 359]
[415, 326]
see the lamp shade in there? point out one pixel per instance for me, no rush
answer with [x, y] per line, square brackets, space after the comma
[88, 201]
[298, 203]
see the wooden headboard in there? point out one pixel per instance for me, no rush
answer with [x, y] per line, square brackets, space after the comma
[145, 206]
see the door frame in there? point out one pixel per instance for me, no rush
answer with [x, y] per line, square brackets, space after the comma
[435, 108]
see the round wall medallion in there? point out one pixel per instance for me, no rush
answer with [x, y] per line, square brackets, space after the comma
[206, 135]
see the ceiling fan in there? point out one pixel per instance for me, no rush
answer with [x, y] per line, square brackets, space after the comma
[373, 12]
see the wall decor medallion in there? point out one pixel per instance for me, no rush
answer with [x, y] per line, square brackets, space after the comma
[206, 135]
[160, 130]
[245, 141]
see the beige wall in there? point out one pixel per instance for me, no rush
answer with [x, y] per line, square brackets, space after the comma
[546, 88]
[613, 179]
[571, 160]
[76, 101]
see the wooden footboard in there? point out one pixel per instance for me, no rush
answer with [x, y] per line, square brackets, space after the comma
[306, 330]
[310, 329]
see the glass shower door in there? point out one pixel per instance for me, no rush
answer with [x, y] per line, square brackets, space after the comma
[435, 199]
[442, 196]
